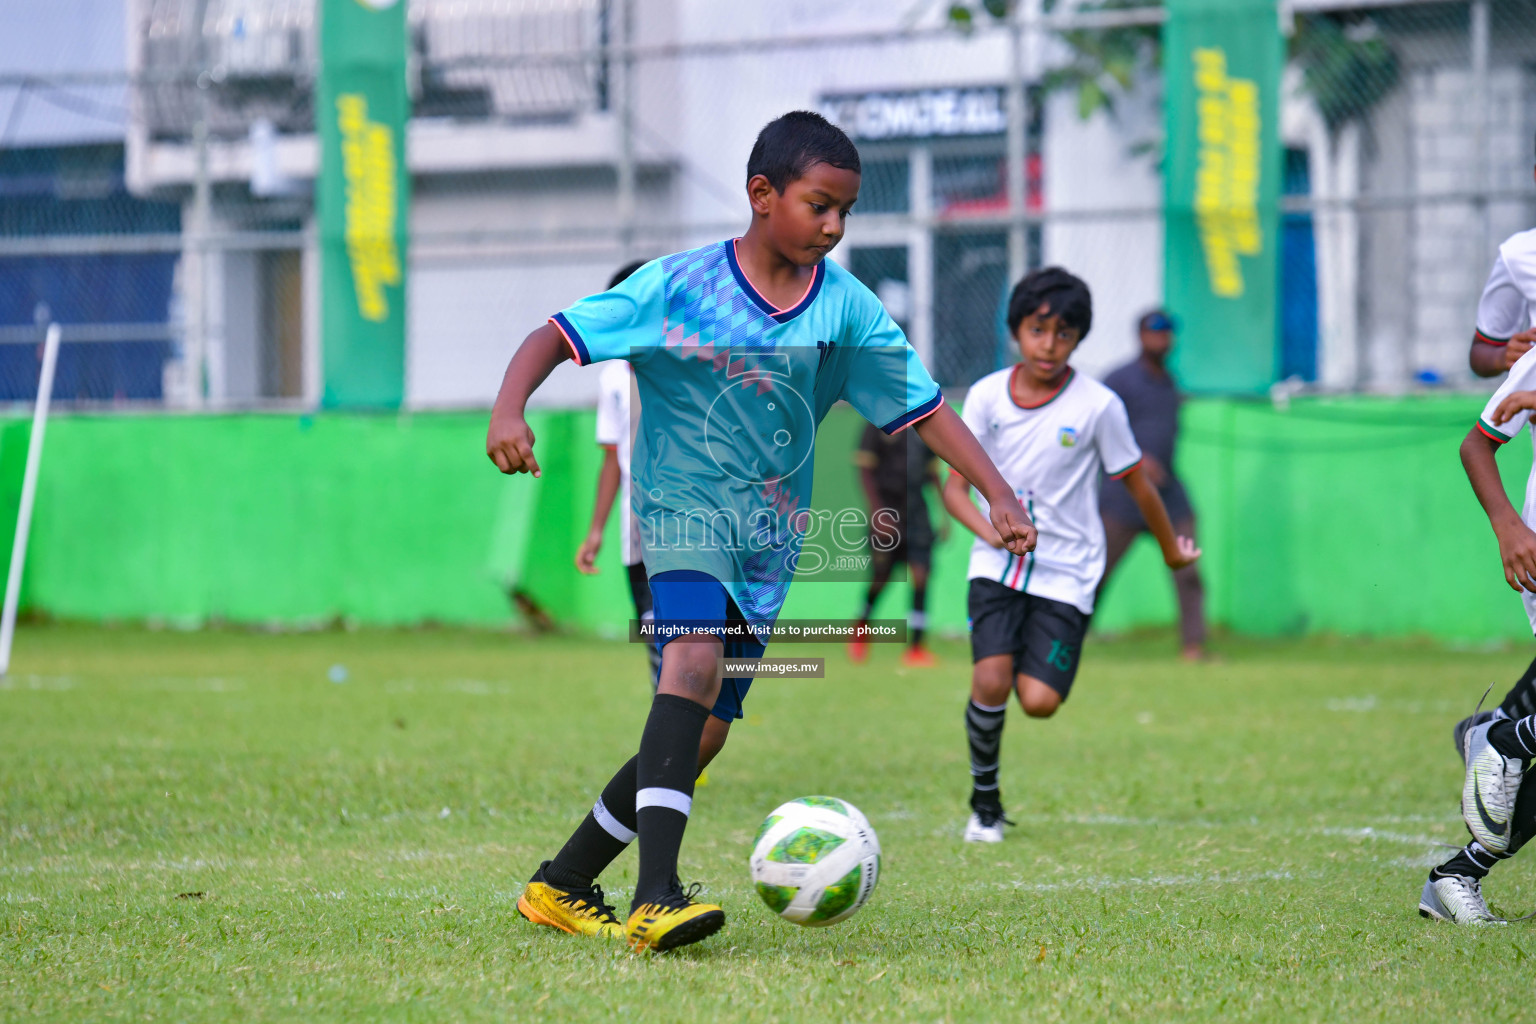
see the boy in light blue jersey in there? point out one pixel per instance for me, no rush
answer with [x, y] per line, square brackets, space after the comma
[739, 349]
[751, 381]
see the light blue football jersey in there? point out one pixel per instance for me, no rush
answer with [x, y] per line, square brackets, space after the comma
[732, 390]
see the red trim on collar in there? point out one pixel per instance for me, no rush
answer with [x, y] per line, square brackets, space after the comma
[1070, 377]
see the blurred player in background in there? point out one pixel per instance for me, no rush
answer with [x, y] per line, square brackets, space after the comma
[618, 409]
[896, 472]
[1152, 401]
[1052, 432]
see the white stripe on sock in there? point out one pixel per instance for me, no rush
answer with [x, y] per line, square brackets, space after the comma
[613, 826]
[977, 769]
[984, 788]
[917, 620]
[982, 707]
[1525, 732]
[1478, 855]
[655, 796]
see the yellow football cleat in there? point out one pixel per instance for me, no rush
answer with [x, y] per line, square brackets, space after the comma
[578, 911]
[675, 920]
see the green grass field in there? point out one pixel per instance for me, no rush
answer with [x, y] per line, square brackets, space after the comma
[205, 827]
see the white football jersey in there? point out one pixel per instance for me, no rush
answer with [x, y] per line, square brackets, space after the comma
[1522, 377]
[1052, 455]
[615, 429]
[1508, 305]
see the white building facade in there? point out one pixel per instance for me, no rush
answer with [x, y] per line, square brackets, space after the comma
[557, 139]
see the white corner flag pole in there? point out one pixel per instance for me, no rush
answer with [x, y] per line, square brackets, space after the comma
[28, 494]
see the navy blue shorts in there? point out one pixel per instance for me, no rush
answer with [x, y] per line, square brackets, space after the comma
[687, 594]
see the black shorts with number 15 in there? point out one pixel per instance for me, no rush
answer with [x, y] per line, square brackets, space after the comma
[1045, 637]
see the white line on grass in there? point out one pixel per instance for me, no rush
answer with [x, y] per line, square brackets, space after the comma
[1154, 882]
[37, 683]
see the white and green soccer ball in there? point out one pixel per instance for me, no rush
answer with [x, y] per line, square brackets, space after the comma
[815, 860]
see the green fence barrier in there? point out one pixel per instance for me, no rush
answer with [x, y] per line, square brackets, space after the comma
[1348, 516]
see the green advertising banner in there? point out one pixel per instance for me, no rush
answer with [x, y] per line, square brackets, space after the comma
[1222, 61]
[362, 200]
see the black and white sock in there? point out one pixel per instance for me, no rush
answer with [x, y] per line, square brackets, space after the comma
[1472, 861]
[1516, 740]
[984, 729]
[1520, 702]
[665, 771]
[603, 834]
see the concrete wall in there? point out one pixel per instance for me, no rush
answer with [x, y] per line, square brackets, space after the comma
[472, 302]
[1423, 264]
[1089, 166]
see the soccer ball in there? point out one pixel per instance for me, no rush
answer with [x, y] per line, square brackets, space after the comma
[815, 860]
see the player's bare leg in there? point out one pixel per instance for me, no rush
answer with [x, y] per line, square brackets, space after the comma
[716, 732]
[1036, 698]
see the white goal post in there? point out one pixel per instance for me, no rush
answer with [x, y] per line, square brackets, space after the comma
[28, 495]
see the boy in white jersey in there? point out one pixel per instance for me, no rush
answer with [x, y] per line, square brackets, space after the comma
[1489, 742]
[1498, 746]
[618, 409]
[1506, 316]
[1051, 432]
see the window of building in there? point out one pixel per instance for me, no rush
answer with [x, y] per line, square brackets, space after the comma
[932, 239]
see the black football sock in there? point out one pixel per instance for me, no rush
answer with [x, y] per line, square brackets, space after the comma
[666, 767]
[868, 608]
[1520, 702]
[1472, 861]
[984, 729]
[918, 620]
[602, 835]
[1516, 740]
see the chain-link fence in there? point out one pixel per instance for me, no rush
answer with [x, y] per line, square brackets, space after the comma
[554, 140]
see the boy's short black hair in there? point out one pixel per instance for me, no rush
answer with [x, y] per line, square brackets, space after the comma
[1061, 293]
[790, 145]
[622, 274]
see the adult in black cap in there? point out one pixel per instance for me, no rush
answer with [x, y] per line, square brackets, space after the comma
[1152, 399]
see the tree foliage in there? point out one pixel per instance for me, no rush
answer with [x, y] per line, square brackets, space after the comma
[1347, 65]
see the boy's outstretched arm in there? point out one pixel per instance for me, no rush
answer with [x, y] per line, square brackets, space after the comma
[1177, 551]
[949, 438]
[1517, 544]
[509, 442]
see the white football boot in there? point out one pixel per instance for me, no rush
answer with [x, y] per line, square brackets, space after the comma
[1488, 795]
[986, 826]
[1457, 899]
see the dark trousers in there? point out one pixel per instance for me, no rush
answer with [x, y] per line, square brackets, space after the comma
[1118, 536]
